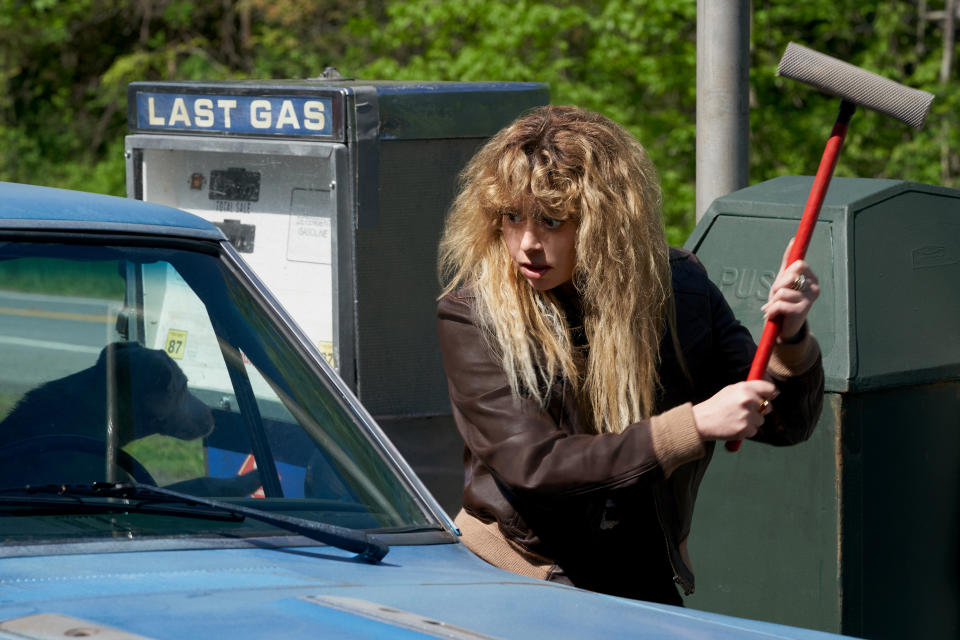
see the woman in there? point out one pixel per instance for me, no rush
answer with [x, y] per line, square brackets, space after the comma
[591, 367]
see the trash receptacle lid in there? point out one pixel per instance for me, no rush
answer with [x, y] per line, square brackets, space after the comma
[888, 256]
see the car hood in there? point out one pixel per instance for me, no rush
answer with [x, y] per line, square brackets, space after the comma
[416, 592]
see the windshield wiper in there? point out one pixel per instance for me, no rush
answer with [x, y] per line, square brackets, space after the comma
[364, 545]
[57, 503]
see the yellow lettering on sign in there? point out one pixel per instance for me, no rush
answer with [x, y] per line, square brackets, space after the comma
[260, 114]
[313, 116]
[176, 343]
[287, 116]
[179, 113]
[227, 106]
[203, 112]
[151, 114]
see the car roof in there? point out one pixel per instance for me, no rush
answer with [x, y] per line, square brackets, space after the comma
[33, 207]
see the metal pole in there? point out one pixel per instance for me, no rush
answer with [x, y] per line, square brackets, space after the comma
[949, 20]
[723, 119]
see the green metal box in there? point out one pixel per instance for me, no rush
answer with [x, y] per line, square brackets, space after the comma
[857, 530]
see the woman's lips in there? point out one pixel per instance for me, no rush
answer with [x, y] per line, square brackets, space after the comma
[534, 270]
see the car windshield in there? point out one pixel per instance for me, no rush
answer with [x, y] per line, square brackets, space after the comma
[162, 366]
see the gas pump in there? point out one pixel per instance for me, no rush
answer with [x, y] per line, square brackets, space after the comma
[334, 191]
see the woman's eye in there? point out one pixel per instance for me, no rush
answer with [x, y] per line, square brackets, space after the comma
[512, 217]
[550, 223]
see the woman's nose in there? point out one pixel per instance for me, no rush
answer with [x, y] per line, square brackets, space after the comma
[530, 240]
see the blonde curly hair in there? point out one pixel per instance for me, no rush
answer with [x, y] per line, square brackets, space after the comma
[579, 166]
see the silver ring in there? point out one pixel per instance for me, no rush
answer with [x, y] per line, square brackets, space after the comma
[800, 283]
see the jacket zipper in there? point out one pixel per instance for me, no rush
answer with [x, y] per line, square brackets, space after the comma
[677, 578]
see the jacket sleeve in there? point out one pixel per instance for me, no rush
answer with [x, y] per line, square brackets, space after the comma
[522, 444]
[796, 369]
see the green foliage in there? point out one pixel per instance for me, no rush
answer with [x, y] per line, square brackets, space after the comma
[168, 459]
[7, 402]
[63, 278]
[65, 66]
[790, 122]
[633, 60]
[50, 55]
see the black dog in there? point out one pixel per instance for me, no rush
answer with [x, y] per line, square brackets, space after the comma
[151, 397]
[150, 393]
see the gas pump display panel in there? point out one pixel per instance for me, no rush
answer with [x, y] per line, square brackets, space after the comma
[277, 202]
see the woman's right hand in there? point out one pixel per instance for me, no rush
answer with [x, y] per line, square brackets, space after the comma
[735, 412]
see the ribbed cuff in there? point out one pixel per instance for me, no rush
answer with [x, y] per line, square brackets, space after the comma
[487, 541]
[675, 438]
[790, 360]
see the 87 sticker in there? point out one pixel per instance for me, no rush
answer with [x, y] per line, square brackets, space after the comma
[176, 343]
[326, 350]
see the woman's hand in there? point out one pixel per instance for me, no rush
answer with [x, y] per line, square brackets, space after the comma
[736, 411]
[791, 296]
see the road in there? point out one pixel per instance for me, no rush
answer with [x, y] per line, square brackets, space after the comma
[45, 337]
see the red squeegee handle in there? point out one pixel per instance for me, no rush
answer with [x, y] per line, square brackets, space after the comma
[771, 330]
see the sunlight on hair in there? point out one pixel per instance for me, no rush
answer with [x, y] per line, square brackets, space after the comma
[569, 164]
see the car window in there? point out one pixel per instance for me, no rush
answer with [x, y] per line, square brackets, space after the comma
[161, 365]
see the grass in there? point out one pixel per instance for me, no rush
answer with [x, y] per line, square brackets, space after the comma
[7, 402]
[169, 459]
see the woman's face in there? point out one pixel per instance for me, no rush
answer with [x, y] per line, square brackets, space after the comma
[543, 248]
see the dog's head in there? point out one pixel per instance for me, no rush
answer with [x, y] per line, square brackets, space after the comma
[152, 394]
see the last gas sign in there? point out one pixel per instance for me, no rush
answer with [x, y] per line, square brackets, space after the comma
[259, 115]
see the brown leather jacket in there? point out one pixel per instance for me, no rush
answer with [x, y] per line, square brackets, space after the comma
[609, 512]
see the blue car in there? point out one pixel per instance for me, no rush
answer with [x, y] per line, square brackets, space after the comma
[178, 461]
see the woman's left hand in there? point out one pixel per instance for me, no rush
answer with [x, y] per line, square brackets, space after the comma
[791, 296]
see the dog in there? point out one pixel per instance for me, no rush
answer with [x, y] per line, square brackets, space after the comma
[151, 397]
[150, 393]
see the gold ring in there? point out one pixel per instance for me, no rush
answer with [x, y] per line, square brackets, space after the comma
[763, 406]
[800, 283]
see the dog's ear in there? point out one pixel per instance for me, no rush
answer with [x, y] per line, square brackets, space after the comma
[132, 359]
[160, 401]
[120, 352]
[152, 371]
[162, 368]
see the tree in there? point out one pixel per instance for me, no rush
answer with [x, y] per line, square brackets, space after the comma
[65, 65]
[634, 61]
[790, 122]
